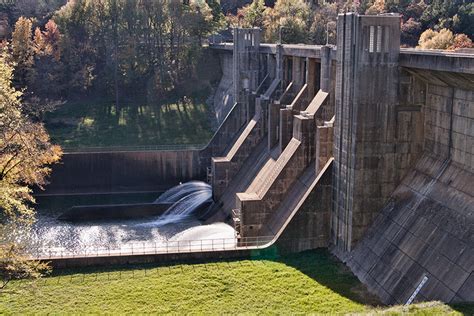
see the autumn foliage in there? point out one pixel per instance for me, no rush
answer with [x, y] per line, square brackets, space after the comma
[25, 156]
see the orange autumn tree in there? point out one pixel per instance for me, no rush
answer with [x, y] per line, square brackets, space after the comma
[46, 42]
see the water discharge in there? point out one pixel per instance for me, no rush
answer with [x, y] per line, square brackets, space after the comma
[178, 223]
[186, 199]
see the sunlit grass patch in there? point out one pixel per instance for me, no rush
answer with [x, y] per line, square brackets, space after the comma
[308, 283]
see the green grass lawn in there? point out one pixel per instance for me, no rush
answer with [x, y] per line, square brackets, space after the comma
[311, 282]
[97, 123]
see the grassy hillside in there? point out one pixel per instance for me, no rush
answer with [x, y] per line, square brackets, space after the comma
[311, 282]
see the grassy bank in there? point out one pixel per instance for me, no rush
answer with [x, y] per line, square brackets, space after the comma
[97, 123]
[304, 283]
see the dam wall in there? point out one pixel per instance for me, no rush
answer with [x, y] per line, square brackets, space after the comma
[375, 139]
[422, 236]
[108, 172]
[426, 230]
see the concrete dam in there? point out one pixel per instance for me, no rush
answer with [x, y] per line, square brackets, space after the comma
[364, 148]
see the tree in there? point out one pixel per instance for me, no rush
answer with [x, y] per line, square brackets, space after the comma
[377, 8]
[23, 51]
[436, 40]
[461, 41]
[324, 20]
[253, 14]
[456, 15]
[410, 32]
[218, 18]
[47, 41]
[47, 77]
[25, 156]
[290, 17]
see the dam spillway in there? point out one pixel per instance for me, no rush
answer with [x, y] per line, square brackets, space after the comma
[55, 237]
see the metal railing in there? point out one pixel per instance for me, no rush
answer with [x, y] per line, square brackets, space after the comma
[70, 149]
[159, 247]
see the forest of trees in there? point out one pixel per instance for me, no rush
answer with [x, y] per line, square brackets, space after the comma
[449, 23]
[111, 47]
[125, 48]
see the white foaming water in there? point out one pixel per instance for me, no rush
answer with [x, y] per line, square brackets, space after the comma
[186, 199]
[176, 224]
[217, 236]
[178, 192]
[202, 232]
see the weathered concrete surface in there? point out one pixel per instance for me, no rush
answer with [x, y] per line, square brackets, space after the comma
[224, 96]
[437, 60]
[449, 124]
[107, 212]
[310, 226]
[386, 117]
[104, 172]
[372, 148]
[426, 229]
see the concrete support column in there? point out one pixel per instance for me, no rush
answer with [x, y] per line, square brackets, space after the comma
[279, 61]
[326, 68]
[271, 66]
[286, 127]
[246, 67]
[311, 77]
[273, 124]
[297, 71]
[304, 131]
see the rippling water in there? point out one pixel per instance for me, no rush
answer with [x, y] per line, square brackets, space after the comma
[51, 234]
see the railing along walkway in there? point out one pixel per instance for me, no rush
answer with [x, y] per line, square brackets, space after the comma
[101, 149]
[159, 247]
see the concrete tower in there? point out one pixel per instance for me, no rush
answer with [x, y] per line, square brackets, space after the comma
[365, 132]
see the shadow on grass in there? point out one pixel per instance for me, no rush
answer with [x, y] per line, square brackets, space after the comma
[463, 308]
[98, 123]
[321, 266]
